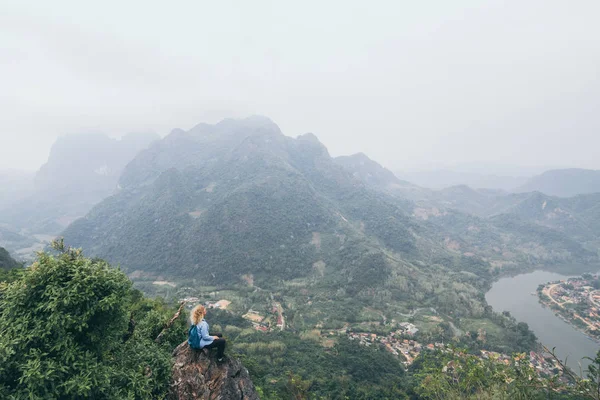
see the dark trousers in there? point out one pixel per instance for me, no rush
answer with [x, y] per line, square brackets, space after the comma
[218, 343]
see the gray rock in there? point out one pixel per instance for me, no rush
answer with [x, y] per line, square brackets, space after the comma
[198, 375]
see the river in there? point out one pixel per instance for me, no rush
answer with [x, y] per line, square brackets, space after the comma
[514, 295]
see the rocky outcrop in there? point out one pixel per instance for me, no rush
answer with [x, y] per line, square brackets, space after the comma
[198, 375]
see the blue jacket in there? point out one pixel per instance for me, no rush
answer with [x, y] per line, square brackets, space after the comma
[205, 338]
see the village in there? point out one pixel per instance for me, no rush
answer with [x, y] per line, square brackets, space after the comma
[400, 343]
[576, 300]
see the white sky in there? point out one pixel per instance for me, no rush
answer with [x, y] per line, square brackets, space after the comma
[410, 83]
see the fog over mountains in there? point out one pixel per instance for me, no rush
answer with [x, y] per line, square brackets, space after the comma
[443, 178]
[240, 211]
[239, 197]
[372, 201]
[196, 202]
[81, 171]
[564, 182]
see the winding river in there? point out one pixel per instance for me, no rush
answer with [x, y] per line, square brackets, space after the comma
[514, 294]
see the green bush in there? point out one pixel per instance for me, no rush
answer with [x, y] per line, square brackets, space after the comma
[68, 331]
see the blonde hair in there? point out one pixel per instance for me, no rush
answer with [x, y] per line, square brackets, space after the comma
[197, 314]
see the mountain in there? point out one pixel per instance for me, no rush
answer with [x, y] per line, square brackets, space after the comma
[6, 261]
[371, 172]
[239, 202]
[564, 182]
[443, 178]
[81, 170]
[235, 198]
[89, 162]
[460, 197]
[577, 216]
[507, 230]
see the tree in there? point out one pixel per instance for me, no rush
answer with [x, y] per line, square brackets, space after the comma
[66, 332]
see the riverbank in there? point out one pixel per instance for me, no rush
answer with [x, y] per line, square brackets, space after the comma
[576, 301]
[513, 294]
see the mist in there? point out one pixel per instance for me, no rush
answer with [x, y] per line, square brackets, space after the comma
[415, 85]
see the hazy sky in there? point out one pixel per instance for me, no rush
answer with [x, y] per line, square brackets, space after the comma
[410, 83]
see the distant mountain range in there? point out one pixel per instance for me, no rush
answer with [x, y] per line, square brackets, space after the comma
[81, 171]
[195, 184]
[483, 221]
[15, 186]
[443, 178]
[221, 201]
[564, 182]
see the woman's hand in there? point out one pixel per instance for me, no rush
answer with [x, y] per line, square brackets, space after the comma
[216, 337]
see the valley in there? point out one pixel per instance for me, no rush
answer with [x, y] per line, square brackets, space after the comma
[300, 200]
[283, 242]
[518, 296]
[237, 208]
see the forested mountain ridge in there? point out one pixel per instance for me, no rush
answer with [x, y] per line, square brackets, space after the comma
[508, 230]
[220, 203]
[241, 184]
[564, 182]
[463, 198]
[240, 211]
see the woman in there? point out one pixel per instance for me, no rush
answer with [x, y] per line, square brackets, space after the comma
[207, 341]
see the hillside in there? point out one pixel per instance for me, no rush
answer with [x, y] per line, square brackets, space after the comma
[239, 202]
[444, 178]
[372, 173]
[6, 261]
[304, 248]
[222, 203]
[564, 182]
[577, 216]
[481, 202]
[235, 198]
[510, 231]
[460, 197]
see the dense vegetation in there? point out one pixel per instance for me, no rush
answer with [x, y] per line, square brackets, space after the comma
[241, 210]
[275, 208]
[290, 366]
[72, 327]
[219, 206]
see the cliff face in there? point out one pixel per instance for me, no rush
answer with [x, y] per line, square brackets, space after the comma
[197, 375]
